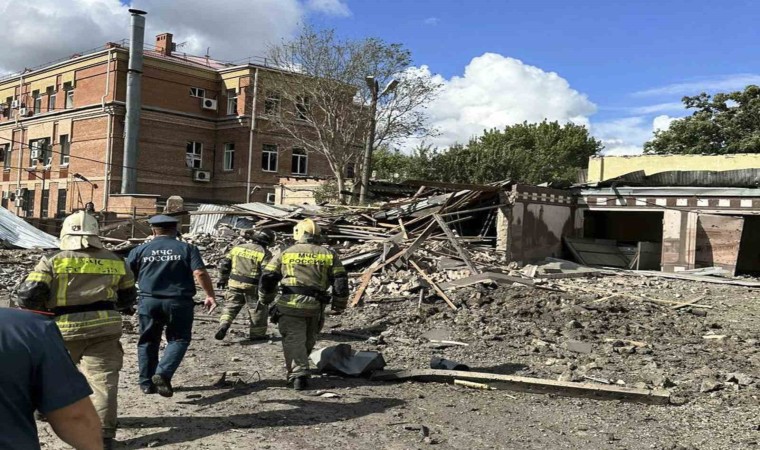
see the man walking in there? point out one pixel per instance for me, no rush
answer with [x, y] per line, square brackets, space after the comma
[166, 270]
[305, 271]
[240, 272]
[85, 287]
[37, 374]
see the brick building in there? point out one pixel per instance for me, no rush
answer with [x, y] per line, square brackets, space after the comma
[62, 133]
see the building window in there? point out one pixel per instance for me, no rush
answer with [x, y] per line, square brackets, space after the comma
[40, 151]
[269, 158]
[229, 156]
[197, 92]
[350, 170]
[5, 154]
[270, 198]
[302, 108]
[69, 89]
[65, 149]
[194, 155]
[29, 203]
[37, 102]
[272, 104]
[7, 110]
[51, 98]
[45, 200]
[298, 163]
[60, 209]
[231, 102]
[4, 201]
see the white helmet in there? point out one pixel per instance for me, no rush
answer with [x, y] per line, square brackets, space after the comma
[80, 230]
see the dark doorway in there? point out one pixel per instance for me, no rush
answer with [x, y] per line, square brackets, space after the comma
[748, 262]
[638, 234]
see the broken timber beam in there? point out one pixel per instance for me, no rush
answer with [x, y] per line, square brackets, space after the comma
[434, 285]
[455, 243]
[533, 385]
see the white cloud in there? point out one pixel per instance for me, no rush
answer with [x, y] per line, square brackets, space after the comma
[431, 21]
[723, 83]
[40, 31]
[496, 91]
[658, 108]
[626, 136]
[330, 7]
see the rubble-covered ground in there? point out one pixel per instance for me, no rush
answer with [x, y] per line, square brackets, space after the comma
[587, 330]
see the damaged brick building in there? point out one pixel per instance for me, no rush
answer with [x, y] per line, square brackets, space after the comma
[62, 133]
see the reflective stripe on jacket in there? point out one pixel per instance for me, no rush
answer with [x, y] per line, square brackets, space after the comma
[247, 260]
[77, 278]
[304, 267]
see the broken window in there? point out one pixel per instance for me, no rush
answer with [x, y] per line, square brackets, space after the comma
[269, 158]
[194, 155]
[299, 160]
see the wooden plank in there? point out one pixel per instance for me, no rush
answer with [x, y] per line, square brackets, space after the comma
[434, 285]
[487, 277]
[689, 303]
[455, 243]
[533, 385]
[704, 279]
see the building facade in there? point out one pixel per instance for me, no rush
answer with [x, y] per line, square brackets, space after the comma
[62, 133]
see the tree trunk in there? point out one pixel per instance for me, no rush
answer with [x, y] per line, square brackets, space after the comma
[341, 185]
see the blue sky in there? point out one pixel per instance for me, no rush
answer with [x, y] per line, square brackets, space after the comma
[633, 59]
[617, 66]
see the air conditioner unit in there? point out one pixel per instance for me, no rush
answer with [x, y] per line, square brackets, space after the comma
[14, 104]
[202, 175]
[20, 194]
[209, 103]
[37, 153]
[22, 111]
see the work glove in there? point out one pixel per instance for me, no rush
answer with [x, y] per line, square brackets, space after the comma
[221, 284]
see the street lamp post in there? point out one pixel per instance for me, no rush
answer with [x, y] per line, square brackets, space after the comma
[374, 88]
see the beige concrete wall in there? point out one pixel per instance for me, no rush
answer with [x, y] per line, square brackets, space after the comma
[602, 168]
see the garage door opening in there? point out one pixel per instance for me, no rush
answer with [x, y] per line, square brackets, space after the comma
[638, 234]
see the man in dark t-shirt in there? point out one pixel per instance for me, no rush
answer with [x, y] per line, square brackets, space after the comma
[166, 270]
[37, 373]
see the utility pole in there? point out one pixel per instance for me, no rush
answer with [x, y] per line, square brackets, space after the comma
[374, 89]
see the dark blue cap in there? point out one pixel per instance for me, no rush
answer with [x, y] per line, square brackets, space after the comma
[162, 219]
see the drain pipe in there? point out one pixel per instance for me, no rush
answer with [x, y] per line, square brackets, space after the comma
[109, 146]
[250, 138]
[20, 128]
[134, 104]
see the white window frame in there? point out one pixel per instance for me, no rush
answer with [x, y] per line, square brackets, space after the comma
[52, 94]
[232, 103]
[65, 150]
[275, 99]
[228, 163]
[7, 151]
[305, 102]
[271, 198]
[266, 149]
[197, 92]
[69, 89]
[194, 154]
[36, 102]
[298, 155]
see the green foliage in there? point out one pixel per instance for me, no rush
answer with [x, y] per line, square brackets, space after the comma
[530, 153]
[721, 124]
[327, 193]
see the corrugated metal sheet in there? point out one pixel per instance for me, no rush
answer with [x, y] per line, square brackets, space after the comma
[266, 209]
[692, 178]
[206, 223]
[16, 232]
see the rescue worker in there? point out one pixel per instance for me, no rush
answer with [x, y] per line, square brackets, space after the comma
[305, 272]
[240, 272]
[166, 270]
[85, 287]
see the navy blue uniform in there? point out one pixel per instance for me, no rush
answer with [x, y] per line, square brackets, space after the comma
[164, 270]
[36, 373]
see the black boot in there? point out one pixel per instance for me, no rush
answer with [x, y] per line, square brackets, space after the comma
[163, 386]
[108, 444]
[301, 383]
[221, 332]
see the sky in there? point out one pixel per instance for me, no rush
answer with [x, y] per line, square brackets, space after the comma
[620, 67]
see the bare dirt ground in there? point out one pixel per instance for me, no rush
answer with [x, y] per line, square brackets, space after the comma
[715, 382]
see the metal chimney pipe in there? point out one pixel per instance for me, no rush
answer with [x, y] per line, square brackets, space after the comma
[134, 102]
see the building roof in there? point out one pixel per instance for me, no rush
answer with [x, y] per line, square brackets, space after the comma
[691, 178]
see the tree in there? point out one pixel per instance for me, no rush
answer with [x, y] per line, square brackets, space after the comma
[530, 153]
[325, 97]
[721, 124]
